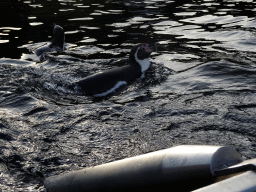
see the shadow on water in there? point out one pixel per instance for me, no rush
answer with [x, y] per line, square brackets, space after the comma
[200, 88]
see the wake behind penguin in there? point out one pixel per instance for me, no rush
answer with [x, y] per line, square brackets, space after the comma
[108, 82]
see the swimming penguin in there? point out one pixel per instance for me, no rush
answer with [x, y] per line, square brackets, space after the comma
[57, 43]
[106, 82]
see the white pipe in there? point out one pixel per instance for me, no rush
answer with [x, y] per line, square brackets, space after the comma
[173, 165]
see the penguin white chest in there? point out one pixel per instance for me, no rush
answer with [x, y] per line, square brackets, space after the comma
[144, 64]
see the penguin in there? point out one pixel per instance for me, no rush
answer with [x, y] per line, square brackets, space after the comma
[57, 43]
[107, 82]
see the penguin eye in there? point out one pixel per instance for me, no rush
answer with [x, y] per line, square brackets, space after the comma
[142, 47]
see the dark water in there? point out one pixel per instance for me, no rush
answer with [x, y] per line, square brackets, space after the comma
[200, 89]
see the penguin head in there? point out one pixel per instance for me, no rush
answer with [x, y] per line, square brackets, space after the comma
[140, 53]
[58, 38]
[143, 51]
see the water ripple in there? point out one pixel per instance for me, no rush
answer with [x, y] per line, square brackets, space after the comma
[199, 89]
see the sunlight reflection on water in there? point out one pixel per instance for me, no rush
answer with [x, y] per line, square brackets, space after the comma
[200, 88]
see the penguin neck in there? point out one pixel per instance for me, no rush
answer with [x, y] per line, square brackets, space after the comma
[59, 46]
[144, 64]
[58, 42]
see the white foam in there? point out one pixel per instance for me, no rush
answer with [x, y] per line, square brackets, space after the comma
[118, 84]
[144, 64]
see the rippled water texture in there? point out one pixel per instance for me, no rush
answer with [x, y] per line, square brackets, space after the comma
[200, 88]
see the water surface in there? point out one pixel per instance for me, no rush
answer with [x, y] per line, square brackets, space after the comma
[200, 88]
